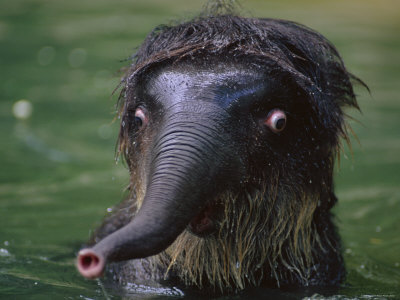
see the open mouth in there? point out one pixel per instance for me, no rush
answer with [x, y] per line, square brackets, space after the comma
[204, 223]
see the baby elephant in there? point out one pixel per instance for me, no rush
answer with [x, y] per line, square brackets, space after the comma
[230, 127]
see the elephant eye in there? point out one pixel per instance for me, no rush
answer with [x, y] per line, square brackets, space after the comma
[276, 120]
[140, 118]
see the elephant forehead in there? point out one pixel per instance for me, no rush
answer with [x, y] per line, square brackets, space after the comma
[222, 86]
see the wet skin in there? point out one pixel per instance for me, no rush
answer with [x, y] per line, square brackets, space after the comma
[198, 123]
[220, 127]
[234, 98]
[210, 91]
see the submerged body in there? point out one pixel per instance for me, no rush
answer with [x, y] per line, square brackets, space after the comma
[230, 127]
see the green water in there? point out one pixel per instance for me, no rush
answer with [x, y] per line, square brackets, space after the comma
[58, 175]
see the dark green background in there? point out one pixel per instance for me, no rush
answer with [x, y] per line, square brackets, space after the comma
[57, 170]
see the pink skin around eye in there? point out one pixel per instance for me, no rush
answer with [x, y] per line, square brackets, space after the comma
[276, 120]
[139, 113]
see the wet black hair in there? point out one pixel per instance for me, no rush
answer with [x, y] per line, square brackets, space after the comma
[311, 61]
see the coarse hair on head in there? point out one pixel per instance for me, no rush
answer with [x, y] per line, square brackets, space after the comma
[303, 55]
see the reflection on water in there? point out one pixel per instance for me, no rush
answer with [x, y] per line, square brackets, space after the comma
[34, 143]
[58, 176]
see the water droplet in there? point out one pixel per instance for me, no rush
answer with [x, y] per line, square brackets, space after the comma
[22, 109]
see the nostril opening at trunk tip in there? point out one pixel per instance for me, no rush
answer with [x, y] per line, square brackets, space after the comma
[88, 261]
[90, 264]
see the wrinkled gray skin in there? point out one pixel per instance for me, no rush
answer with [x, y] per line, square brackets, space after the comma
[206, 135]
[196, 149]
[192, 149]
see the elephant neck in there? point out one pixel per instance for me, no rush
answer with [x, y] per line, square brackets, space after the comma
[263, 237]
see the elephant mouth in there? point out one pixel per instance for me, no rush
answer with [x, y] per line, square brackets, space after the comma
[205, 222]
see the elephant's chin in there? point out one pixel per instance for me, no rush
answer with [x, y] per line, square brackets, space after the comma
[205, 222]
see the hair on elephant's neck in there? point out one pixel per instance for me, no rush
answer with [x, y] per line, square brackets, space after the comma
[259, 230]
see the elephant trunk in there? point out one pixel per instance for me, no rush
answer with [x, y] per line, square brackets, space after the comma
[185, 165]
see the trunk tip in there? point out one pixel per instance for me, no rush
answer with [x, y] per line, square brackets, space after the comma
[90, 264]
